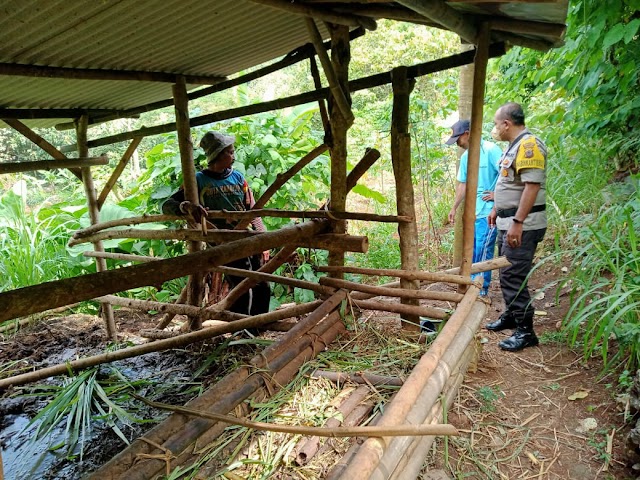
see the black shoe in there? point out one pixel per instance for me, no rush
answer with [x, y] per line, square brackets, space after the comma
[427, 327]
[505, 321]
[519, 340]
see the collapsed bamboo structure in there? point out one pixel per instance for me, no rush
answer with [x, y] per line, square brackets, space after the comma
[432, 385]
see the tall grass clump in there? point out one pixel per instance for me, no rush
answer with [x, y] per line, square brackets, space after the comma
[33, 244]
[605, 280]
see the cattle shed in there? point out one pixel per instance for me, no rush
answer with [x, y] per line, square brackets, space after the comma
[75, 64]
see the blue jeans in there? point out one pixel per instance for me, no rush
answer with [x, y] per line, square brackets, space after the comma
[484, 243]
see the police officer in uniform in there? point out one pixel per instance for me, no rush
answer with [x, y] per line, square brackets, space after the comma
[519, 214]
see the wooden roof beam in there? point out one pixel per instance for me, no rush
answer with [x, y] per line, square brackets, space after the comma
[38, 113]
[555, 30]
[520, 41]
[21, 70]
[30, 166]
[320, 13]
[441, 13]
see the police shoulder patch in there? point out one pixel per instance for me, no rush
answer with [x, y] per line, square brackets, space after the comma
[529, 155]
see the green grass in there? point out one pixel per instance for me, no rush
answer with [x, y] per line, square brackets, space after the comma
[605, 282]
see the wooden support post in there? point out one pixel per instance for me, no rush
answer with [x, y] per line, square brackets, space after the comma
[340, 57]
[18, 126]
[118, 171]
[475, 139]
[94, 215]
[401, 159]
[195, 292]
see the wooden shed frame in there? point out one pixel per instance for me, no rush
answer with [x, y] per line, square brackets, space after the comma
[433, 383]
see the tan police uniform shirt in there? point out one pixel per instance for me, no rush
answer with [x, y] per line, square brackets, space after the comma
[524, 161]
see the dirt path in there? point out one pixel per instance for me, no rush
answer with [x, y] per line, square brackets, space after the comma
[518, 416]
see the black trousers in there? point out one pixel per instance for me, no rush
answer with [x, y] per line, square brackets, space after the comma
[256, 300]
[514, 279]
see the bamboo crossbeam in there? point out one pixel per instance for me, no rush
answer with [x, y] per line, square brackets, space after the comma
[41, 71]
[390, 431]
[520, 41]
[121, 256]
[555, 30]
[493, 264]
[331, 242]
[380, 291]
[41, 142]
[368, 457]
[334, 85]
[297, 55]
[319, 13]
[212, 236]
[370, 157]
[268, 277]
[414, 310]
[18, 303]
[123, 222]
[118, 171]
[359, 377]
[371, 81]
[190, 310]
[386, 272]
[15, 167]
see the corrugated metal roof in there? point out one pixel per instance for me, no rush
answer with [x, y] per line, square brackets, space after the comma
[190, 37]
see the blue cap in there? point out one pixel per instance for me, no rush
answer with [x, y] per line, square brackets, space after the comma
[458, 129]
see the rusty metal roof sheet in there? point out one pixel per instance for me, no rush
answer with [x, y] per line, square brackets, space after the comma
[190, 37]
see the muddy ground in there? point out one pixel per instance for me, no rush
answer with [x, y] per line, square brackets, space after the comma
[542, 413]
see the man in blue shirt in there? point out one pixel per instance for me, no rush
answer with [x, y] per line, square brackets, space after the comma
[490, 154]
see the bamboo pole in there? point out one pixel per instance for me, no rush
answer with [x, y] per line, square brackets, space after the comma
[267, 277]
[427, 276]
[307, 449]
[195, 285]
[118, 171]
[17, 303]
[403, 310]
[475, 140]
[451, 357]
[320, 13]
[176, 434]
[339, 95]
[371, 81]
[401, 160]
[94, 216]
[40, 142]
[368, 457]
[15, 167]
[123, 222]
[370, 157]
[414, 457]
[380, 291]
[189, 310]
[338, 432]
[167, 317]
[493, 264]
[359, 378]
[329, 241]
[121, 256]
[341, 119]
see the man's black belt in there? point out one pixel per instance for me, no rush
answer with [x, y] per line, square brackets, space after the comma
[510, 212]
